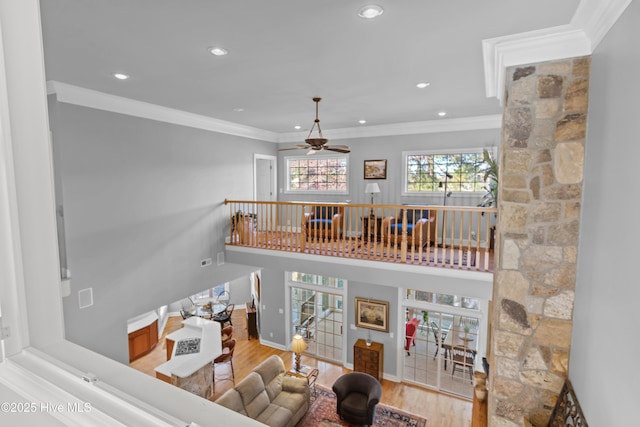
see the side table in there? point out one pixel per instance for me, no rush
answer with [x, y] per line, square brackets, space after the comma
[308, 372]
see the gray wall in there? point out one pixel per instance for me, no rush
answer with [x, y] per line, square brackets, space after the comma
[143, 204]
[605, 347]
[389, 148]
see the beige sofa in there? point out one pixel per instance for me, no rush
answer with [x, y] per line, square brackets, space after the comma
[269, 396]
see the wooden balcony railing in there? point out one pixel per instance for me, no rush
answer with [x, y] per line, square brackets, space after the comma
[437, 236]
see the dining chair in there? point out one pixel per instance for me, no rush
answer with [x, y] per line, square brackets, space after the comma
[225, 316]
[411, 328]
[463, 358]
[226, 333]
[439, 339]
[226, 357]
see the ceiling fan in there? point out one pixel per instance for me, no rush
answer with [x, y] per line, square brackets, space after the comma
[320, 143]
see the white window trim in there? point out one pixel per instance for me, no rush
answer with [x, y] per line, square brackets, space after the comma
[287, 177]
[405, 192]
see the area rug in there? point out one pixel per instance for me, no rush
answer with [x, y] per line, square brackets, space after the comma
[322, 413]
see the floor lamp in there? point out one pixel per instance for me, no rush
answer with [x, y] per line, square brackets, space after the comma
[372, 188]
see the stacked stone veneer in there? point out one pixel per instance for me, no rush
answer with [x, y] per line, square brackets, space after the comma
[542, 158]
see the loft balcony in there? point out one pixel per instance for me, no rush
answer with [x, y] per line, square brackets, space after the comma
[455, 237]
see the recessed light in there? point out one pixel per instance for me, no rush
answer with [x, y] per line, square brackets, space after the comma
[362, 122]
[238, 109]
[370, 11]
[422, 85]
[297, 127]
[218, 51]
[120, 76]
[442, 113]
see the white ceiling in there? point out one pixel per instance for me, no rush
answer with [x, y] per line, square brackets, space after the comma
[283, 53]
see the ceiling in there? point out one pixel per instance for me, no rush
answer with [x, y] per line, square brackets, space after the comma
[284, 53]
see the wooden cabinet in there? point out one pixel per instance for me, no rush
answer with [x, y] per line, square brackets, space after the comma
[252, 321]
[143, 341]
[368, 359]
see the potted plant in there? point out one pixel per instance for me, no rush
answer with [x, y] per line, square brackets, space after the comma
[491, 176]
[490, 198]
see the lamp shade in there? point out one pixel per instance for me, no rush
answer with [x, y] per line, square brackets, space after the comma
[298, 345]
[372, 187]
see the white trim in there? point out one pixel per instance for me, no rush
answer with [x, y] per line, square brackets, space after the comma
[596, 17]
[529, 48]
[76, 95]
[590, 23]
[84, 97]
[410, 128]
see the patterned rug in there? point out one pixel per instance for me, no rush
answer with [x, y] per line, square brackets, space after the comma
[322, 413]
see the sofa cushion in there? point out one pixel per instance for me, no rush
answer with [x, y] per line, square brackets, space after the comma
[254, 396]
[291, 401]
[276, 416]
[231, 399]
[272, 373]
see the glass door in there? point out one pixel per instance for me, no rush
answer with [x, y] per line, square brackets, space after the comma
[317, 317]
[440, 349]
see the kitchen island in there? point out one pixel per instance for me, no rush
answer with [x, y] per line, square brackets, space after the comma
[193, 348]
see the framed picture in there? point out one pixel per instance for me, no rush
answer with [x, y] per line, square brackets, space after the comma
[372, 314]
[375, 169]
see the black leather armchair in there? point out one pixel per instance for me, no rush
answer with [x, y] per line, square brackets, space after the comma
[357, 395]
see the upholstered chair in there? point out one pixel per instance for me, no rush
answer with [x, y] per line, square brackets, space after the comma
[357, 394]
[411, 329]
[323, 222]
[416, 221]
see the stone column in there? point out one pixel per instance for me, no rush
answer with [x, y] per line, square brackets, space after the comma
[540, 190]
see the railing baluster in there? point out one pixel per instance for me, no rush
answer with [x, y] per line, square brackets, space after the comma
[456, 237]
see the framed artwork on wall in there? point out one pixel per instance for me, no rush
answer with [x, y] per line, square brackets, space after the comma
[372, 314]
[375, 169]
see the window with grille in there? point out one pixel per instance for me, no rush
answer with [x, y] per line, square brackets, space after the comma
[317, 174]
[440, 172]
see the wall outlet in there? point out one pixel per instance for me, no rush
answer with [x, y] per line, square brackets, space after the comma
[206, 262]
[270, 334]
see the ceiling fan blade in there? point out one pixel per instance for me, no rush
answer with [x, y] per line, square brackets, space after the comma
[338, 148]
[311, 151]
[297, 147]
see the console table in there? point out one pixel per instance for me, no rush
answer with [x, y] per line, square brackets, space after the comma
[252, 322]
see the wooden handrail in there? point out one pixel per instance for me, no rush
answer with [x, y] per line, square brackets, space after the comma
[443, 236]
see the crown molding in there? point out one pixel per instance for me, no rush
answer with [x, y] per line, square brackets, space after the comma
[76, 95]
[596, 17]
[590, 23]
[410, 128]
[529, 48]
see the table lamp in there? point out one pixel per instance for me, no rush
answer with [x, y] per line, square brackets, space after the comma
[298, 346]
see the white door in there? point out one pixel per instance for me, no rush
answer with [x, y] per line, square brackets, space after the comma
[265, 189]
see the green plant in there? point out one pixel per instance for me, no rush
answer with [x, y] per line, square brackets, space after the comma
[491, 176]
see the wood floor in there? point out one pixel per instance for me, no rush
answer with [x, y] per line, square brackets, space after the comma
[440, 410]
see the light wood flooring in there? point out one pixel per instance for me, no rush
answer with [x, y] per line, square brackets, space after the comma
[440, 410]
